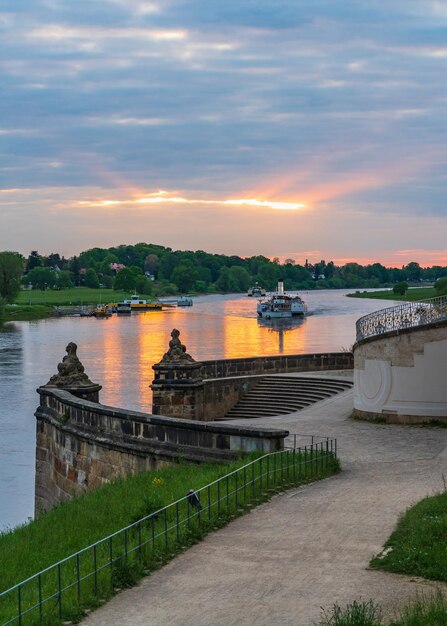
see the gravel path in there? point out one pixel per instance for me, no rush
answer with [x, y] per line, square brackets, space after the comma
[309, 548]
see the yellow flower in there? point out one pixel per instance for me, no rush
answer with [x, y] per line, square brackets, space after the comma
[157, 481]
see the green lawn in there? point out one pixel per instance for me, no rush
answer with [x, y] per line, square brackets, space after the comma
[74, 296]
[122, 560]
[418, 546]
[412, 295]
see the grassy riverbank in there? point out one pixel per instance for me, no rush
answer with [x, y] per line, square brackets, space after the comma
[38, 304]
[76, 296]
[145, 547]
[413, 294]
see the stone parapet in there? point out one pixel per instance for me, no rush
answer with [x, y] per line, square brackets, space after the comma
[280, 364]
[82, 444]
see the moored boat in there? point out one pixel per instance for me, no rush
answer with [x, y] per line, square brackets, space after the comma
[101, 310]
[184, 301]
[257, 291]
[139, 304]
[122, 308]
[281, 305]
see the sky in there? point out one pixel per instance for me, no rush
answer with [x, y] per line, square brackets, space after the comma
[291, 128]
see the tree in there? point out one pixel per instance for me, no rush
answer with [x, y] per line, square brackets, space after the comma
[41, 278]
[33, 261]
[91, 279]
[413, 271]
[64, 280]
[125, 280]
[400, 289]
[143, 285]
[151, 264]
[184, 276]
[441, 286]
[11, 269]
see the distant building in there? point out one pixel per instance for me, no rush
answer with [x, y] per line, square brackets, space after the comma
[116, 267]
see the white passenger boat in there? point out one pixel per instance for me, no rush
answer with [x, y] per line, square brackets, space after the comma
[257, 291]
[281, 305]
[184, 301]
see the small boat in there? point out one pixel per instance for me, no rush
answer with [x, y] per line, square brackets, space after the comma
[281, 305]
[138, 304]
[184, 301]
[122, 308]
[257, 291]
[101, 311]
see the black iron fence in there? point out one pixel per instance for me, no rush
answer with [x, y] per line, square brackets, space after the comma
[61, 591]
[402, 316]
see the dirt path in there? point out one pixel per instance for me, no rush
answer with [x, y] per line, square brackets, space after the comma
[304, 550]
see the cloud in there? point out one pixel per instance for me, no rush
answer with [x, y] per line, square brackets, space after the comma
[338, 106]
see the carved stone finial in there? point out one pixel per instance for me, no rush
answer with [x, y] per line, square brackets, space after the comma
[70, 371]
[177, 351]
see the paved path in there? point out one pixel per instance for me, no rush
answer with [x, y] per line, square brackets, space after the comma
[279, 564]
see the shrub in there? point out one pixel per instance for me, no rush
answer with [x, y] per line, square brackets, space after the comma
[400, 289]
[441, 285]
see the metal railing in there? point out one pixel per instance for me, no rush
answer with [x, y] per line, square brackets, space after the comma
[84, 578]
[400, 317]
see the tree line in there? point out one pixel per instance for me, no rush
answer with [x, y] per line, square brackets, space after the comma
[158, 270]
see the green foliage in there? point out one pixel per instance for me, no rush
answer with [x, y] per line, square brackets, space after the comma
[185, 271]
[441, 286]
[419, 544]
[359, 613]
[91, 279]
[11, 269]
[125, 280]
[77, 523]
[41, 278]
[64, 280]
[400, 288]
[431, 611]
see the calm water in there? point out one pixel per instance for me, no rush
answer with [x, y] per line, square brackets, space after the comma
[119, 352]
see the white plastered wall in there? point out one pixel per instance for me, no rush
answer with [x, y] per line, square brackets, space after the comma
[419, 387]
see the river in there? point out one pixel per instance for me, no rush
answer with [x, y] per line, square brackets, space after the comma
[119, 352]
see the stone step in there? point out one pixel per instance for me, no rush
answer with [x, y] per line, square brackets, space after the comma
[279, 395]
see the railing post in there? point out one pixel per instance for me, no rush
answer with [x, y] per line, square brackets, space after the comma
[59, 590]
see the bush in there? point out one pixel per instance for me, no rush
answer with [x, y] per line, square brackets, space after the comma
[400, 289]
[441, 286]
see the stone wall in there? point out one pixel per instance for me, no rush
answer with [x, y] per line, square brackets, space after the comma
[400, 376]
[223, 382]
[280, 364]
[81, 444]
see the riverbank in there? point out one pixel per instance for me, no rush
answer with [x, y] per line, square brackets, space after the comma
[412, 295]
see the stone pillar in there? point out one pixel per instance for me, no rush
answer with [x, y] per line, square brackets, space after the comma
[178, 388]
[56, 469]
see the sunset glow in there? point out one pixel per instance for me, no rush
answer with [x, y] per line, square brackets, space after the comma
[163, 197]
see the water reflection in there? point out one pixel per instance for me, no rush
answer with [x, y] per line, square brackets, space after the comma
[281, 327]
[119, 352]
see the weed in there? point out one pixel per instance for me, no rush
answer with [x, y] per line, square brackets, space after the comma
[359, 613]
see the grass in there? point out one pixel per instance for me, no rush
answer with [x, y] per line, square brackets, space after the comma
[418, 545]
[414, 294]
[37, 304]
[431, 611]
[144, 547]
[25, 313]
[74, 296]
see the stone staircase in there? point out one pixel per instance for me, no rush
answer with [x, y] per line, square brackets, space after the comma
[278, 395]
